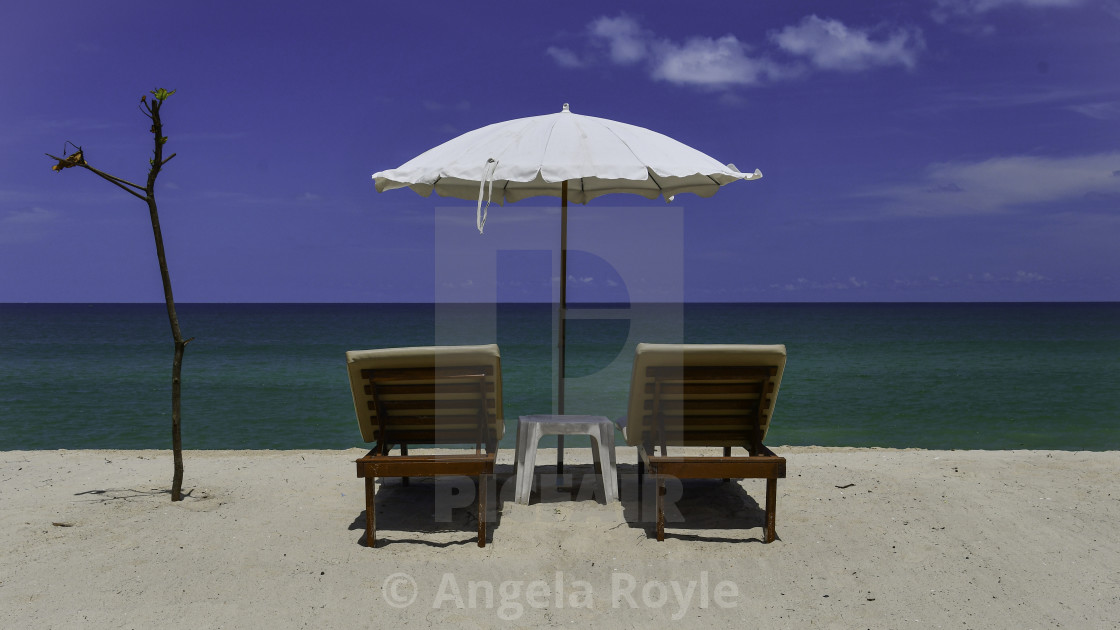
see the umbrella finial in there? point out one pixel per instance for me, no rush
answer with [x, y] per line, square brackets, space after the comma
[566, 109]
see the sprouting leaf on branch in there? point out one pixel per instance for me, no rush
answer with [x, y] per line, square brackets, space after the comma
[75, 159]
[161, 94]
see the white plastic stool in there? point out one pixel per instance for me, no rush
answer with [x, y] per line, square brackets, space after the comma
[530, 429]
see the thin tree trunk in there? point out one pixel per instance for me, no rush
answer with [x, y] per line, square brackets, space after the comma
[177, 362]
[176, 334]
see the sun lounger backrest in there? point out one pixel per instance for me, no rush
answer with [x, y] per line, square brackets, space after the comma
[428, 395]
[703, 395]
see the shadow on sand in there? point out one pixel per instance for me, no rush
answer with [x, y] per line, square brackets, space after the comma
[428, 505]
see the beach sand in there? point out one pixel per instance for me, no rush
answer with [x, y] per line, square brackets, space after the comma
[869, 538]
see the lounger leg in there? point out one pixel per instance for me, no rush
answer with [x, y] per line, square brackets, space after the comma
[371, 514]
[771, 508]
[482, 483]
[727, 453]
[641, 478]
[660, 482]
[404, 453]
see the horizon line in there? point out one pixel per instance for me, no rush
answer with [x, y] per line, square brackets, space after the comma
[570, 304]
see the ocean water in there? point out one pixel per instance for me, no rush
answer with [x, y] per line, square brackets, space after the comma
[272, 376]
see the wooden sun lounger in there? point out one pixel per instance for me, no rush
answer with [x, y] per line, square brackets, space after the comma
[446, 395]
[705, 395]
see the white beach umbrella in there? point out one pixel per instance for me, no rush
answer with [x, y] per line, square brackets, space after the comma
[566, 155]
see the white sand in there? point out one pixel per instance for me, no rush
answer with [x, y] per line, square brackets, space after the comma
[914, 539]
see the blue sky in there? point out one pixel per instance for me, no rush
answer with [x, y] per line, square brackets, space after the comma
[940, 150]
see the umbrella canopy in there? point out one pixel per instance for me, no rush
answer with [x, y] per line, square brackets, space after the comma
[562, 155]
[534, 156]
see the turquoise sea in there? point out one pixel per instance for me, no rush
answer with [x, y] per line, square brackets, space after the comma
[272, 376]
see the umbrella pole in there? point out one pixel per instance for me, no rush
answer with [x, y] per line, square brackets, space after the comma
[563, 315]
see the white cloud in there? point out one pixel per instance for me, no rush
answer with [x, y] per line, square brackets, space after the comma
[1002, 183]
[977, 279]
[700, 61]
[1005, 95]
[34, 216]
[25, 226]
[1106, 110]
[564, 58]
[804, 284]
[727, 61]
[945, 10]
[830, 45]
[712, 62]
[207, 136]
[436, 106]
[626, 40]
[987, 277]
[975, 7]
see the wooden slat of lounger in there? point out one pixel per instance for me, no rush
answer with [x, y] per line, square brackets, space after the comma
[430, 373]
[439, 405]
[686, 405]
[426, 424]
[421, 389]
[729, 439]
[677, 388]
[452, 413]
[425, 465]
[431, 434]
[436, 421]
[440, 431]
[709, 372]
[701, 419]
[444, 435]
[758, 467]
[702, 437]
[428, 416]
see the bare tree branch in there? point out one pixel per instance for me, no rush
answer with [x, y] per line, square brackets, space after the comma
[77, 160]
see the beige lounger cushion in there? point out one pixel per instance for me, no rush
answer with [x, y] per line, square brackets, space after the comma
[676, 355]
[420, 357]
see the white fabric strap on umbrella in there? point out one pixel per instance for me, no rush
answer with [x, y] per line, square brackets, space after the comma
[487, 178]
